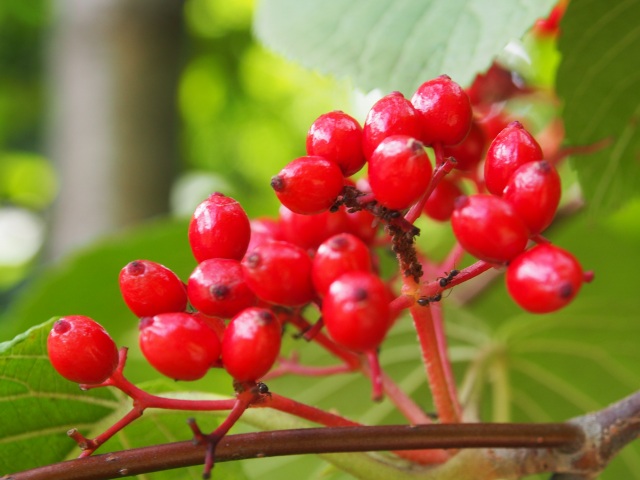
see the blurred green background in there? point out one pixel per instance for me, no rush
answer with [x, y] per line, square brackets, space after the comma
[114, 114]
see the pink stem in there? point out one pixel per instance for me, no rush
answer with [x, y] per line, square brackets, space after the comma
[441, 339]
[400, 303]
[322, 417]
[438, 174]
[401, 400]
[375, 375]
[446, 405]
[92, 445]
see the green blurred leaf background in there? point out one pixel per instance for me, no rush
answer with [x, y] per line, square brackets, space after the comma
[243, 113]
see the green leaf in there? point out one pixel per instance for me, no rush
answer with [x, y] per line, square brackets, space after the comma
[395, 44]
[37, 406]
[600, 87]
[86, 282]
[582, 358]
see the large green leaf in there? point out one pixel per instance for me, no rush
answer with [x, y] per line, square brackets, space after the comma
[86, 282]
[582, 358]
[395, 44]
[599, 82]
[38, 406]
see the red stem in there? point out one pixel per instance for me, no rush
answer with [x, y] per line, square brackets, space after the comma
[438, 174]
[401, 400]
[322, 417]
[446, 404]
[375, 375]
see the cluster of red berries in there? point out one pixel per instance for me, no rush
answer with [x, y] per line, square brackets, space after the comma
[320, 250]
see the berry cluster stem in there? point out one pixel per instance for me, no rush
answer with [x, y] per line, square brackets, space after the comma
[434, 355]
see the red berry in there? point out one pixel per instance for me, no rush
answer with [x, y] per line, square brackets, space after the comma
[544, 278]
[495, 85]
[399, 172]
[309, 231]
[470, 151]
[439, 205]
[251, 344]
[279, 273]
[217, 287]
[263, 229]
[339, 254]
[216, 324]
[356, 311]
[514, 146]
[149, 288]
[363, 225]
[534, 190]
[444, 111]
[308, 185]
[489, 228]
[550, 26]
[81, 350]
[391, 115]
[179, 345]
[337, 137]
[219, 228]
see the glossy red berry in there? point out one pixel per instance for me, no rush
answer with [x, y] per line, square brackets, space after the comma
[399, 172]
[216, 324]
[439, 205]
[363, 225]
[179, 345]
[356, 311]
[495, 85]
[81, 350]
[544, 278]
[219, 228]
[217, 287]
[149, 288]
[251, 344]
[513, 146]
[444, 111]
[534, 190]
[309, 231]
[339, 254]
[393, 114]
[337, 137]
[550, 26]
[308, 185]
[489, 228]
[263, 229]
[279, 273]
[470, 152]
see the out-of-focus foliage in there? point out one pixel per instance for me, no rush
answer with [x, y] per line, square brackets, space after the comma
[27, 180]
[245, 112]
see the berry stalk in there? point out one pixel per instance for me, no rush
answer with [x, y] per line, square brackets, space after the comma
[435, 359]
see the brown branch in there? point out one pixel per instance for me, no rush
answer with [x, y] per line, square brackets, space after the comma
[310, 440]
